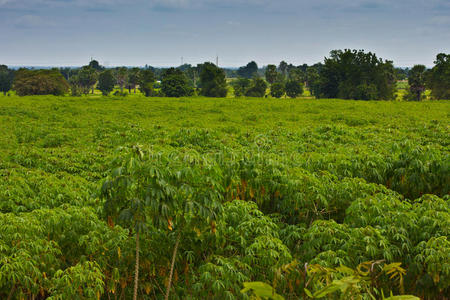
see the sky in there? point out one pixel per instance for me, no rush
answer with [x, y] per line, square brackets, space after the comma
[161, 32]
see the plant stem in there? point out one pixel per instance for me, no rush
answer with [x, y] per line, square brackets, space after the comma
[136, 268]
[11, 293]
[172, 265]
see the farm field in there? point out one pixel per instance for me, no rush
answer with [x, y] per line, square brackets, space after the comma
[265, 189]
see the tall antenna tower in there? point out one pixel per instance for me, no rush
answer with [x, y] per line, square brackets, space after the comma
[217, 60]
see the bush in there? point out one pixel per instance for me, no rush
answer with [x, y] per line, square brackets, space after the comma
[120, 94]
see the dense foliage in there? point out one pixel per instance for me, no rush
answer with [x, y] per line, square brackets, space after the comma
[212, 81]
[146, 80]
[106, 82]
[348, 74]
[6, 79]
[439, 77]
[309, 198]
[294, 88]
[40, 82]
[257, 88]
[174, 83]
[352, 74]
[416, 81]
[248, 71]
[278, 89]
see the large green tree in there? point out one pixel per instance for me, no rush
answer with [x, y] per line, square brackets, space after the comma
[121, 77]
[240, 86]
[87, 78]
[146, 79]
[278, 89]
[133, 79]
[271, 74]
[294, 88]
[416, 81]
[355, 74]
[257, 88]
[212, 81]
[283, 68]
[248, 71]
[106, 82]
[312, 80]
[94, 64]
[40, 82]
[6, 79]
[438, 79]
[174, 83]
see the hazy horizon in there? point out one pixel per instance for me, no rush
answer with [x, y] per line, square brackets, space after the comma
[160, 32]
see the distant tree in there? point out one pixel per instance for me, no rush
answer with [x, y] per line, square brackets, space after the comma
[283, 67]
[271, 74]
[352, 74]
[401, 73]
[185, 67]
[95, 65]
[87, 78]
[133, 79]
[438, 78]
[365, 91]
[297, 74]
[75, 87]
[240, 86]
[174, 83]
[40, 82]
[277, 89]
[250, 70]
[257, 88]
[68, 72]
[416, 81]
[6, 79]
[294, 88]
[146, 79]
[121, 77]
[193, 74]
[212, 80]
[312, 80]
[106, 82]
[303, 67]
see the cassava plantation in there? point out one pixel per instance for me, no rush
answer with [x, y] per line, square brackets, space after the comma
[228, 198]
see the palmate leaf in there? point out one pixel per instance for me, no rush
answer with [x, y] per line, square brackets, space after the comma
[261, 290]
[402, 297]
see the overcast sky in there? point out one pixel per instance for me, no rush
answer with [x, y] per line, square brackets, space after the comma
[160, 32]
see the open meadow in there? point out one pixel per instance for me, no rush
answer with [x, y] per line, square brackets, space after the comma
[261, 187]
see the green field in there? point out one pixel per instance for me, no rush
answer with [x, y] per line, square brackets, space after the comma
[334, 183]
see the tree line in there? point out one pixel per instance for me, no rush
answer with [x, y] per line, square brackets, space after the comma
[346, 74]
